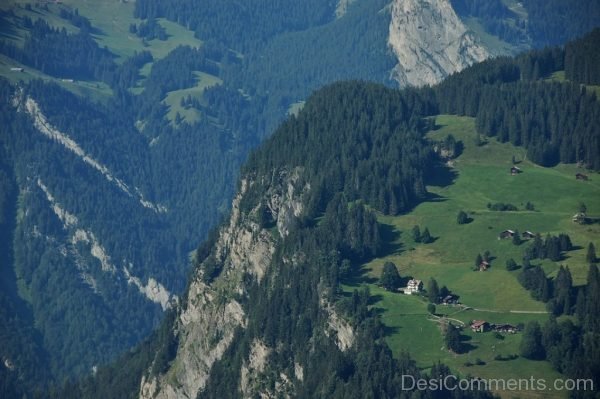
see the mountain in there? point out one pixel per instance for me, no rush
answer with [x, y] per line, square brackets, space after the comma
[430, 42]
[280, 303]
[125, 125]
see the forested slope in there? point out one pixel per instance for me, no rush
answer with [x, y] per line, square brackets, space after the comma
[278, 276]
[108, 211]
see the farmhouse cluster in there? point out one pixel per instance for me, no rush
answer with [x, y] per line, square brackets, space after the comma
[481, 326]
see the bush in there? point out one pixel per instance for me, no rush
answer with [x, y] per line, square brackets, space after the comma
[462, 218]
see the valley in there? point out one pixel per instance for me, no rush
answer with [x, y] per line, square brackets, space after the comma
[127, 128]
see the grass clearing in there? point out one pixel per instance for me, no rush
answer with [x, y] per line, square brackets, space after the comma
[112, 19]
[481, 174]
[173, 99]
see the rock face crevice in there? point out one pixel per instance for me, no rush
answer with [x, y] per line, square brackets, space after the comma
[212, 313]
[430, 42]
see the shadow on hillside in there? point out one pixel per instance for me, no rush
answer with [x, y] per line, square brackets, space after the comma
[441, 176]
[389, 238]
[465, 346]
[387, 330]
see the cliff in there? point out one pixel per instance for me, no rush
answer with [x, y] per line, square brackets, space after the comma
[430, 42]
[208, 318]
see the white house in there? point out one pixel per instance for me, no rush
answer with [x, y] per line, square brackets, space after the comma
[413, 286]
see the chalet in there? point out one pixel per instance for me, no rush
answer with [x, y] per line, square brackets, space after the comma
[480, 326]
[505, 328]
[413, 286]
[527, 235]
[581, 176]
[484, 265]
[506, 234]
[515, 170]
[17, 69]
[579, 217]
[449, 300]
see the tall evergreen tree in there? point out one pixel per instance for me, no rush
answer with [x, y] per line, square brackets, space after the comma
[452, 339]
[433, 291]
[390, 279]
[416, 233]
[531, 343]
[426, 236]
[591, 253]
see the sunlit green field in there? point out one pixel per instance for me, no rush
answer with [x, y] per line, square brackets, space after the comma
[477, 177]
[111, 19]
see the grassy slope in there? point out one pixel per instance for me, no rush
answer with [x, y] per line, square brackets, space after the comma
[482, 176]
[112, 19]
[173, 99]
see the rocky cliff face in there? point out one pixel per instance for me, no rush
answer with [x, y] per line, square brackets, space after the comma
[430, 42]
[212, 312]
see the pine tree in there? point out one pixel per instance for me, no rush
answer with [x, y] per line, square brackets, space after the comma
[433, 291]
[426, 236]
[591, 254]
[478, 260]
[516, 238]
[531, 342]
[390, 279]
[416, 234]
[511, 265]
[462, 217]
[452, 339]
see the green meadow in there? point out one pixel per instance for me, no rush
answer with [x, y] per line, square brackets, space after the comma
[481, 175]
[112, 19]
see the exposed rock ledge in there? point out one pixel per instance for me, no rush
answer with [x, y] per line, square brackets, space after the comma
[430, 42]
[209, 318]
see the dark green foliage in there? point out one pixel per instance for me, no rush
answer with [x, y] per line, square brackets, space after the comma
[352, 230]
[516, 238]
[390, 279]
[167, 344]
[426, 236]
[431, 308]
[531, 343]
[591, 254]
[511, 265]
[462, 217]
[416, 233]
[502, 207]
[529, 206]
[380, 156]
[582, 58]
[555, 122]
[433, 291]
[534, 279]
[453, 339]
[74, 17]
[149, 30]
[237, 26]
[571, 348]
[550, 248]
[57, 53]
[564, 295]
[494, 15]
[552, 22]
